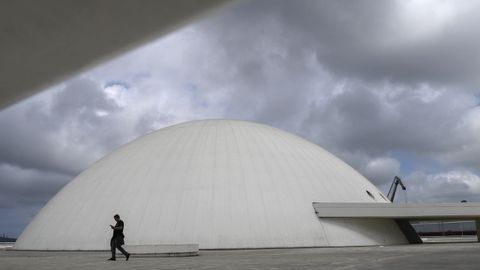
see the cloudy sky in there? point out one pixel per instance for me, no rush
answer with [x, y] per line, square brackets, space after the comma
[391, 87]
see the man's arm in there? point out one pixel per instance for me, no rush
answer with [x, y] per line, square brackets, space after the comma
[117, 226]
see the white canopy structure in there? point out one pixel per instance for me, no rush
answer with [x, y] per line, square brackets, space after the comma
[50, 40]
[216, 183]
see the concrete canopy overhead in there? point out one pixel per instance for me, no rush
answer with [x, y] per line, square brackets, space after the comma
[44, 42]
[216, 183]
[410, 211]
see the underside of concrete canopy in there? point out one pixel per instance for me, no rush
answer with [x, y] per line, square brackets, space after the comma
[402, 214]
[44, 42]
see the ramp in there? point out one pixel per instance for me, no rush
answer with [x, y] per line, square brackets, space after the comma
[402, 214]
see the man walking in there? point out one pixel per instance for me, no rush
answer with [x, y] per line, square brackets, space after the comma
[118, 238]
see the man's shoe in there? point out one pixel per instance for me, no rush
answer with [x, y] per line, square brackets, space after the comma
[128, 256]
[112, 259]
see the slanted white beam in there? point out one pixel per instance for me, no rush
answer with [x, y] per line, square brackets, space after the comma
[439, 211]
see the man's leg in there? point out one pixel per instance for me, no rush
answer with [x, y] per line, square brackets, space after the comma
[124, 252]
[112, 247]
[119, 242]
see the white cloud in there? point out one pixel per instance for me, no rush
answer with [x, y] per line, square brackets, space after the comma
[381, 170]
[422, 20]
[451, 186]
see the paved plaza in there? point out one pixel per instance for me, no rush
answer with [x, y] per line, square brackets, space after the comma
[425, 257]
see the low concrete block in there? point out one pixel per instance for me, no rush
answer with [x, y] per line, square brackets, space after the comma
[164, 250]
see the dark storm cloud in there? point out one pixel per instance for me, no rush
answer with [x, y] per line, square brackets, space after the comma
[82, 98]
[22, 193]
[361, 124]
[398, 41]
[15, 219]
[22, 187]
[388, 39]
[52, 133]
[453, 186]
[360, 117]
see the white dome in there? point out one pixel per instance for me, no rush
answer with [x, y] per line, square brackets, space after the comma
[218, 183]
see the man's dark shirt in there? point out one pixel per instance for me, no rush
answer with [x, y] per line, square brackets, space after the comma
[118, 232]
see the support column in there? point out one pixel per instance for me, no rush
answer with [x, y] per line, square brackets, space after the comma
[477, 224]
[409, 231]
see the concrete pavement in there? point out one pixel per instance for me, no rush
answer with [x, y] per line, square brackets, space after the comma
[425, 257]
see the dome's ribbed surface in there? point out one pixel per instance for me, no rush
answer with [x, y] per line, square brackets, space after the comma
[218, 183]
